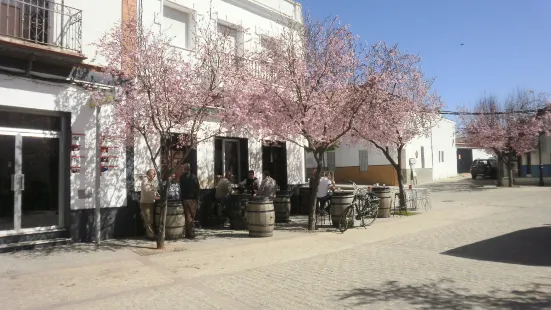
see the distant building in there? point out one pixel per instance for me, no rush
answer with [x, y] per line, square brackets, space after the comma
[428, 158]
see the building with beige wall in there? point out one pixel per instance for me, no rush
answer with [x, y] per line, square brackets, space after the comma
[434, 157]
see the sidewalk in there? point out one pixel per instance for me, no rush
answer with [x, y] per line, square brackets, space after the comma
[71, 275]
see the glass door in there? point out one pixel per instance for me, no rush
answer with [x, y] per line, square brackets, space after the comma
[7, 170]
[29, 179]
[40, 167]
[231, 158]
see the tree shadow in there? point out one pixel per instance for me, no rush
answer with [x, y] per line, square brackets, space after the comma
[465, 185]
[300, 223]
[523, 247]
[443, 294]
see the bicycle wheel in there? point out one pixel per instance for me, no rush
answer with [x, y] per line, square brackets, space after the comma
[370, 216]
[347, 217]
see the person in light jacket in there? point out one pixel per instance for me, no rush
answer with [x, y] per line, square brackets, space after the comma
[148, 197]
[268, 186]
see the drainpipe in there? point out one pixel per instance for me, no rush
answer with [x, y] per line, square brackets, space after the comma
[541, 183]
[97, 210]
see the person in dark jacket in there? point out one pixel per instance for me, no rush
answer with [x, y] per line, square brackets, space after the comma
[189, 193]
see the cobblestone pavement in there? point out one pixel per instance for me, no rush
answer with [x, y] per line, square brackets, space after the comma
[482, 248]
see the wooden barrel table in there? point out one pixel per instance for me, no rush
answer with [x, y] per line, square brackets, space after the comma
[282, 207]
[237, 212]
[383, 193]
[339, 202]
[260, 218]
[175, 219]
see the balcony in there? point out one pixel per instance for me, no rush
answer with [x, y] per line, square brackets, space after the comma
[41, 28]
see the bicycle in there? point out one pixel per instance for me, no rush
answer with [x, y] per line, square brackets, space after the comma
[364, 208]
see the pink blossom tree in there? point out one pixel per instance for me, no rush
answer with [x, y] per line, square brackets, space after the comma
[506, 128]
[312, 83]
[400, 109]
[168, 93]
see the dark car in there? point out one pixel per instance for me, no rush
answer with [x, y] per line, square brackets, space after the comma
[486, 168]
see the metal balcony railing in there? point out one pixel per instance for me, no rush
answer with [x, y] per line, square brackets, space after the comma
[42, 22]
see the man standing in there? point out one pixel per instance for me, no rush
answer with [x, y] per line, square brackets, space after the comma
[268, 187]
[223, 192]
[148, 195]
[189, 193]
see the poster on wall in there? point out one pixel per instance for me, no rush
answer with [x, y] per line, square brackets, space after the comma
[77, 145]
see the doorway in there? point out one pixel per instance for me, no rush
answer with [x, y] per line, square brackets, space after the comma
[274, 160]
[30, 191]
[464, 160]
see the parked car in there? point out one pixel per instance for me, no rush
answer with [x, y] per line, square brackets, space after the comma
[486, 168]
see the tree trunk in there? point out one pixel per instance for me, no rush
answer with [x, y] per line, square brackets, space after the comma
[398, 167]
[313, 192]
[165, 158]
[509, 169]
[499, 169]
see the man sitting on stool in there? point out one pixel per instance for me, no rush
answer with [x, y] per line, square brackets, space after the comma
[325, 191]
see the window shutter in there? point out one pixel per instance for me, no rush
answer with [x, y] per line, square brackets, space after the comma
[364, 162]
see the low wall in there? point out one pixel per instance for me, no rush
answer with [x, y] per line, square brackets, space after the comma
[384, 174]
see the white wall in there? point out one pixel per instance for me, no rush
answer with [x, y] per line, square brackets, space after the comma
[443, 140]
[482, 154]
[349, 156]
[26, 93]
[266, 17]
[440, 138]
[98, 17]
[417, 148]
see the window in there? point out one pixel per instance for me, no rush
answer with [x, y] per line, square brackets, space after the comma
[440, 156]
[176, 25]
[231, 154]
[364, 160]
[231, 39]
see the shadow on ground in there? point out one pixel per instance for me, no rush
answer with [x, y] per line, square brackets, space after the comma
[461, 185]
[443, 294]
[524, 247]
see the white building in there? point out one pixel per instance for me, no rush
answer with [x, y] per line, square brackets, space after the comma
[433, 157]
[526, 167]
[47, 127]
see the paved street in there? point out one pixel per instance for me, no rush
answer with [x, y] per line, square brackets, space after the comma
[478, 248]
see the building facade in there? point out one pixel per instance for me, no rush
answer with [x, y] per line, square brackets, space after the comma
[48, 126]
[424, 159]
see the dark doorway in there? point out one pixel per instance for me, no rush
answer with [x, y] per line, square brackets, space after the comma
[528, 163]
[274, 160]
[40, 165]
[464, 160]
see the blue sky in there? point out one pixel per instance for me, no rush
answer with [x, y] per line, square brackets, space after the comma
[507, 44]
